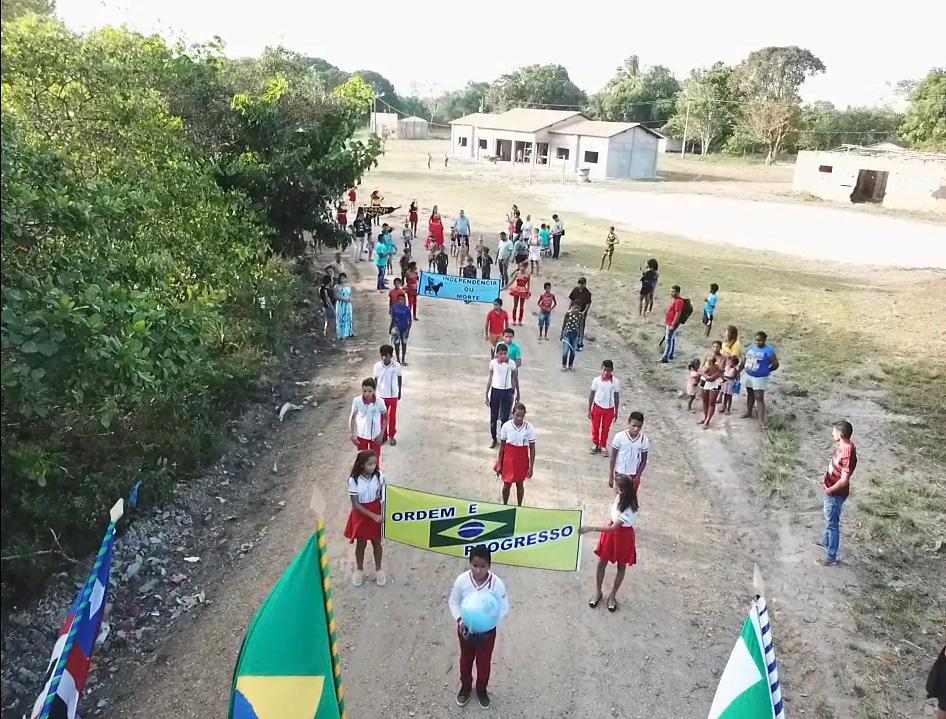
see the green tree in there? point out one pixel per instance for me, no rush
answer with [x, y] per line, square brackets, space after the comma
[824, 127]
[635, 96]
[12, 9]
[924, 125]
[769, 80]
[544, 85]
[706, 109]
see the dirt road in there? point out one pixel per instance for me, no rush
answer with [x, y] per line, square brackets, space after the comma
[659, 656]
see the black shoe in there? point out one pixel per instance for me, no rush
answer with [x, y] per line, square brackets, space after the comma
[493, 444]
[463, 696]
[483, 698]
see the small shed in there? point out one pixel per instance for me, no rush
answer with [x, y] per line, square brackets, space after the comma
[413, 128]
[383, 122]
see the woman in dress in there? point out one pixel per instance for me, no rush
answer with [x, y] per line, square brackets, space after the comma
[412, 217]
[344, 320]
[618, 543]
[412, 284]
[435, 227]
[519, 287]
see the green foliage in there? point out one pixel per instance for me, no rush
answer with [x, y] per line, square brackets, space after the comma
[12, 9]
[707, 107]
[824, 127]
[635, 96]
[543, 85]
[144, 189]
[924, 125]
[769, 80]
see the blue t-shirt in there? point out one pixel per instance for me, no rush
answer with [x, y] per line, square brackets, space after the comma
[463, 226]
[515, 351]
[381, 252]
[759, 360]
[709, 304]
[402, 317]
[545, 238]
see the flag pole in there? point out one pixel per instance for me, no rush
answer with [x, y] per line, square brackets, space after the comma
[768, 647]
[115, 513]
[329, 602]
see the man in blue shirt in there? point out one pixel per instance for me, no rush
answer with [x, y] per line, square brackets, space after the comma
[400, 328]
[709, 307]
[381, 252]
[462, 226]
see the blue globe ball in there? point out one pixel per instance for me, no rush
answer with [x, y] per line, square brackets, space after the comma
[480, 611]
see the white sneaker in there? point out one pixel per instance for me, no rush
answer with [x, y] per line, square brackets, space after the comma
[358, 578]
[381, 578]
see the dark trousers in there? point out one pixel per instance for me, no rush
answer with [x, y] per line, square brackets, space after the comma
[482, 653]
[500, 408]
[504, 271]
[556, 246]
[382, 269]
[569, 346]
[581, 329]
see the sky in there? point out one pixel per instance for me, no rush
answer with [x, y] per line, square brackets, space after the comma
[427, 47]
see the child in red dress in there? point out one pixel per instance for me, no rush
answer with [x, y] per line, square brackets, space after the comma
[364, 522]
[413, 284]
[617, 544]
[516, 453]
[519, 288]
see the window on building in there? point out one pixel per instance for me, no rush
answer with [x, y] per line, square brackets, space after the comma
[483, 144]
[461, 141]
[591, 157]
[561, 153]
[825, 168]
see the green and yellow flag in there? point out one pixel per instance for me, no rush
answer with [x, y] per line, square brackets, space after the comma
[288, 667]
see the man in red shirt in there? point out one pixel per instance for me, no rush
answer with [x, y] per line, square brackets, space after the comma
[397, 292]
[497, 322]
[672, 323]
[837, 487]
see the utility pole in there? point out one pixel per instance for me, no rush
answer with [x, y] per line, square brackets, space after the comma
[686, 127]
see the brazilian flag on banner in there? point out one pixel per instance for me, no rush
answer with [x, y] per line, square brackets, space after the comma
[288, 667]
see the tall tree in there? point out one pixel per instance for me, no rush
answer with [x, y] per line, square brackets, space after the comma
[635, 96]
[545, 85]
[924, 125]
[11, 9]
[706, 109]
[824, 127]
[769, 79]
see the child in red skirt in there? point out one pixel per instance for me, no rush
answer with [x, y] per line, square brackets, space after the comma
[519, 287]
[617, 543]
[368, 420]
[364, 522]
[516, 453]
[476, 647]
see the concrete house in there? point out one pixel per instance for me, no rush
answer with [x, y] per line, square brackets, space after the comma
[561, 140]
[883, 174]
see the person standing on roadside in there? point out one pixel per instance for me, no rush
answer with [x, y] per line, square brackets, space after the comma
[516, 461]
[462, 226]
[502, 389]
[362, 227]
[412, 217]
[387, 375]
[731, 346]
[368, 419]
[435, 227]
[709, 307]
[837, 488]
[672, 322]
[629, 451]
[571, 323]
[558, 232]
[757, 366]
[603, 404]
[503, 255]
[649, 279]
[581, 296]
[497, 322]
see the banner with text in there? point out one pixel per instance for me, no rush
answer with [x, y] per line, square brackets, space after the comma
[518, 536]
[451, 287]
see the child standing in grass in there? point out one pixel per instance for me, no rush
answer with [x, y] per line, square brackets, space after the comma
[837, 487]
[693, 382]
[709, 307]
[609, 244]
[547, 303]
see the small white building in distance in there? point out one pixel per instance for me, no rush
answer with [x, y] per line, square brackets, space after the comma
[562, 140]
[884, 174]
[413, 128]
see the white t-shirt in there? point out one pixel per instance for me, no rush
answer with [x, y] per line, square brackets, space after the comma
[558, 228]
[502, 373]
[627, 518]
[366, 489]
[368, 416]
[605, 390]
[629, 452]
[464, 585]
[527, 228]
[386, 376]
[517, 436]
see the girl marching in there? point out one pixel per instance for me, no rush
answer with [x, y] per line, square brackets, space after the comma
[520, 288]
[365, 487]
[516, 459]
[618, 543]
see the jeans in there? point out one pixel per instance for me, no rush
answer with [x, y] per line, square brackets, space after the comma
[504, 271]
[500, 408]
[569, 346]
[556, 246]
[581, 329]
[832, 524]
[670, 344]
[381, 271]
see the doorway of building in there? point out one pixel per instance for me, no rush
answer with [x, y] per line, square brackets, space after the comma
[523, 151]
[504, 150]
[871, 186]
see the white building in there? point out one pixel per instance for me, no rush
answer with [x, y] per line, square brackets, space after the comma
[413, 128]
[561, 140]
[894, 177]
[382, 123]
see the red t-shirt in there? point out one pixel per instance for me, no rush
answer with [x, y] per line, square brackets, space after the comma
[394, 294]
[673, 311]
[351, 195]
[497, 321]
[844, 458]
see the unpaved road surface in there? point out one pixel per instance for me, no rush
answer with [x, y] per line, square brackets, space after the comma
[660, 655]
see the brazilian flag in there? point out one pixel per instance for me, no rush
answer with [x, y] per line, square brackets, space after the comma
[288, 666]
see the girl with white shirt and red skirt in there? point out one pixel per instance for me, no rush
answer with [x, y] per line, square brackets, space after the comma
[476, 648]
[365, 488]
[618, 543]
[516, 459]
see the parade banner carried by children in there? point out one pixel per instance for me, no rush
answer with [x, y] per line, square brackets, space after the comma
[517, 536]
[454, 287]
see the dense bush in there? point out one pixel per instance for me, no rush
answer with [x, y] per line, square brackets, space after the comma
[141, 291]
